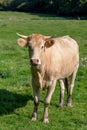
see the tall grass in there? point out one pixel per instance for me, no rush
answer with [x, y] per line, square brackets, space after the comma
[16, 100]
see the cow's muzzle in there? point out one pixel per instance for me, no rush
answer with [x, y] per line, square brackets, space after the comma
[35, 62]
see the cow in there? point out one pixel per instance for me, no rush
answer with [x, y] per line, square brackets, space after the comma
[52, 60]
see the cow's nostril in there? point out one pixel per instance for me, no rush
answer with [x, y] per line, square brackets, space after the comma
[31, 61]
[37, 60]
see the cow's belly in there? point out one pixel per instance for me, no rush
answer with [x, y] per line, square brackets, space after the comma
[47, 75]
[64, 71]
[46, 80]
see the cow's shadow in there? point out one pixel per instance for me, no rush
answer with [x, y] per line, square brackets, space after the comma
[9, 101]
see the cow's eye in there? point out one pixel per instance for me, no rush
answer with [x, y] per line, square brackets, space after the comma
[42, 47]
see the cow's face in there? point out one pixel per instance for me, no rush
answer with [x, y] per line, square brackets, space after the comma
[37, 44]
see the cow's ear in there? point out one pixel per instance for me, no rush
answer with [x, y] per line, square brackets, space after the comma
[22, 42]
[49, 43]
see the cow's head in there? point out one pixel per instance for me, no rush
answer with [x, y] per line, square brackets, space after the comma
[37, 44]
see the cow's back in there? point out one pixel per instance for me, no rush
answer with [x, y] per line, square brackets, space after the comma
[62, 58]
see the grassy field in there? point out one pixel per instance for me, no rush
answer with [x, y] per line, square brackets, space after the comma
[16, 100]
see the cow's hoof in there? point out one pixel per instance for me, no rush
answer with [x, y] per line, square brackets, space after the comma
[34, 119]
[46, 121]
[60, 105]
[69, 105]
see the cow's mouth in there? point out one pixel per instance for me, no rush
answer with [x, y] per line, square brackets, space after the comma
[34, 64]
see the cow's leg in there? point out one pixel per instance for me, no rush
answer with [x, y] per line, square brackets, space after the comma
[66, 84]
[36, 103]
[70, 89]
[62, 88]
[47, 101]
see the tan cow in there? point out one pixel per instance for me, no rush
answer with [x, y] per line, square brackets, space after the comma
[51, 59]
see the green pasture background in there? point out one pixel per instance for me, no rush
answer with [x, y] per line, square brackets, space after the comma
[16, 100]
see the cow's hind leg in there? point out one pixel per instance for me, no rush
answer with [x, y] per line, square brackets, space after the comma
[63, 84]
[36, 103]
[70, 88]
[66, 84]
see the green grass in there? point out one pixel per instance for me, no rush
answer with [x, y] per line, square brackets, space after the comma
[16, 100]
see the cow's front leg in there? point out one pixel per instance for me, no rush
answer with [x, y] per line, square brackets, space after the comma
[50, 91]
[36, 103]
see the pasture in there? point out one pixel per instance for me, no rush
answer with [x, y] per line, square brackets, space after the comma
[16, 100]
